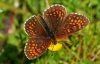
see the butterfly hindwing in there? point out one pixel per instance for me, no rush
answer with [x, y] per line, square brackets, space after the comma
[54, 16]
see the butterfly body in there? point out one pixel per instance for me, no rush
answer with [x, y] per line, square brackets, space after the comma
[47, 29]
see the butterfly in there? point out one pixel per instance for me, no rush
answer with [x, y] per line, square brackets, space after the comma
[55, 24]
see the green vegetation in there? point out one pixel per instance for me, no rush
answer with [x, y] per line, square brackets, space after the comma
[82, 47]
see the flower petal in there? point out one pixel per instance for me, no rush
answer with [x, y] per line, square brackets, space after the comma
[56, 47]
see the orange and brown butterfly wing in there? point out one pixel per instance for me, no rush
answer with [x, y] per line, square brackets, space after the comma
[35, 47]
[38, 42]
[54, 16]
[33, 28]
[73, 23]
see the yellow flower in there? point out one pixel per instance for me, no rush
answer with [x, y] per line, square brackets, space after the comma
[56, 47]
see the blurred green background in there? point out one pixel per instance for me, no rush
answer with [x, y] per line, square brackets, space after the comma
[82, 47]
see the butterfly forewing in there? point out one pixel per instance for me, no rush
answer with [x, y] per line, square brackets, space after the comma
[35, 47]
[33, 28]
[73, 23]
[54, 16]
